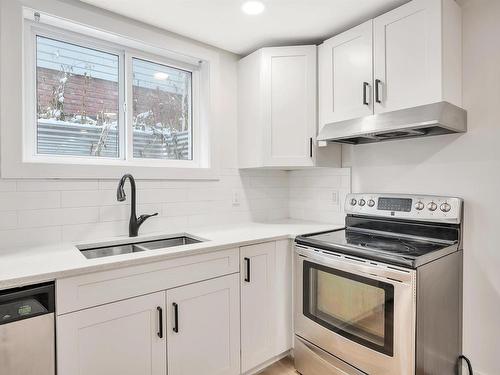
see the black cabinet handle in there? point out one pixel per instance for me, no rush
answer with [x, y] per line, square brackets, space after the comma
[247, 274]
[377, 90]
[160, 322]
[310, 147]
[365, 95]
[176, 317]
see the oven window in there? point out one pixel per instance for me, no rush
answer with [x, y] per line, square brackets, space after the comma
[358, 308]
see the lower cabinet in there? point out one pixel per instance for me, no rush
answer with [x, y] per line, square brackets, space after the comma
[203, 328]
[266, 302]
[126, 338]
[256, 304]
[198, 327]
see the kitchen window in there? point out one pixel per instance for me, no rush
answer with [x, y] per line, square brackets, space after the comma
[83, 90]
[97, 104]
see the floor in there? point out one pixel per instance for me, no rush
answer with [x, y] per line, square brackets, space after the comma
[283, 367]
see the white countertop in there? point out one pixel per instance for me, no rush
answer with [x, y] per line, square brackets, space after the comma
[31, 265]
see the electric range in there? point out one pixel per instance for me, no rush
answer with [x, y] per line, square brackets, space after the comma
[382, 295]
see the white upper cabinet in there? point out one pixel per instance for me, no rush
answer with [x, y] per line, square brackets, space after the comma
[277, 107]
[417, 55]
[289, 83]
[345, 75]
[203, 328]
[277, 122]
[408, 57]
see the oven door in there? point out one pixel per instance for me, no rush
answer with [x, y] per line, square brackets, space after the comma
[360, 311]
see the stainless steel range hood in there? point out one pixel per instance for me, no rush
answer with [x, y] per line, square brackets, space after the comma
[427, 120]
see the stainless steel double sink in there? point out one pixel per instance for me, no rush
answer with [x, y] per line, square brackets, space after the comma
[124, 247]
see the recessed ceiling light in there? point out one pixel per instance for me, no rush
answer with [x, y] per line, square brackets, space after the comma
[253, 7]
[161, 76]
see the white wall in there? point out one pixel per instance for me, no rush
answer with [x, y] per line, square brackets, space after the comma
[467, 166]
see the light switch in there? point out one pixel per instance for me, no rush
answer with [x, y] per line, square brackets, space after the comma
[236, 198]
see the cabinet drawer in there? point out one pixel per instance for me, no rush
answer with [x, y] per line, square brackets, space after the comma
[80, 292]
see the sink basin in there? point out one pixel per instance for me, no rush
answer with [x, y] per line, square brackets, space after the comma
[122, 247]
[100, 252]
[169, 242]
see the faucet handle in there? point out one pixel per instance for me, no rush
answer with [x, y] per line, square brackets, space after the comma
[141, 219]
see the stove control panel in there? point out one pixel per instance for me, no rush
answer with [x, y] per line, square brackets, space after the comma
[410, 207]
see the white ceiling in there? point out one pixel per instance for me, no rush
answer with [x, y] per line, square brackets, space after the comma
[221, 23]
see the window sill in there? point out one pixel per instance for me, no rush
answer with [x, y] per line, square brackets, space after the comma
[87, 171]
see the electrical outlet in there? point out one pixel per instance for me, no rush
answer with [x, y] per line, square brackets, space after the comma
[236, 198]
[335, 197]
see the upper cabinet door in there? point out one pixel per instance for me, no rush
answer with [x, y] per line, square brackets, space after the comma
[203, 332]
[126, 338]
[289, 97]
[408, 56]
[345, 66]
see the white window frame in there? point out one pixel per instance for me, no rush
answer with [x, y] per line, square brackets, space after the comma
[30, 123]
[125, 108]
[87, 27]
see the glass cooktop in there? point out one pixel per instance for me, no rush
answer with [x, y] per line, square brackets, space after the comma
[394, 249]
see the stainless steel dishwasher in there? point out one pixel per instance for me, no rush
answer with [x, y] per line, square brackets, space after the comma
[27, 336]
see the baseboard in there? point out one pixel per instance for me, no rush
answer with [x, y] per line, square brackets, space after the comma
[268, 363]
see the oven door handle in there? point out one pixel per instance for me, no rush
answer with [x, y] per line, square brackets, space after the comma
[391, 276]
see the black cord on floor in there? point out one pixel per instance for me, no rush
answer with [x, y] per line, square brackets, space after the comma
[469, 366]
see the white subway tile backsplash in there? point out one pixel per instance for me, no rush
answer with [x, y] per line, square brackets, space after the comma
[8, 220]
[318, 194]
[91, 198]
[268, 181]
[161, 195]
[58, 216]
[188, 208]
[30, 237]
[8, 185]
[208, 194]
[94, 231]
[43, 185]
[29, 200]
[54, 210]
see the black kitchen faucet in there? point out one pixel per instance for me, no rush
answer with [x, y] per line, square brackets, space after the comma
[135, 222]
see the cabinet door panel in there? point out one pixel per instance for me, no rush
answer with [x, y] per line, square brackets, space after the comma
[407, 56]
[118, 338]
[204, 339]
[283, 313]
[290, 104]
[345, 75]
[257, 304]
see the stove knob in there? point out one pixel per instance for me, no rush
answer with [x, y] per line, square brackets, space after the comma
[432, 206]
[362, 202]
[353, 202]
[445, 207]
[419, 206]
[371, 203]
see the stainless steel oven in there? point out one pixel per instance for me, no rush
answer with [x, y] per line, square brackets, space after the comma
[353, 315]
